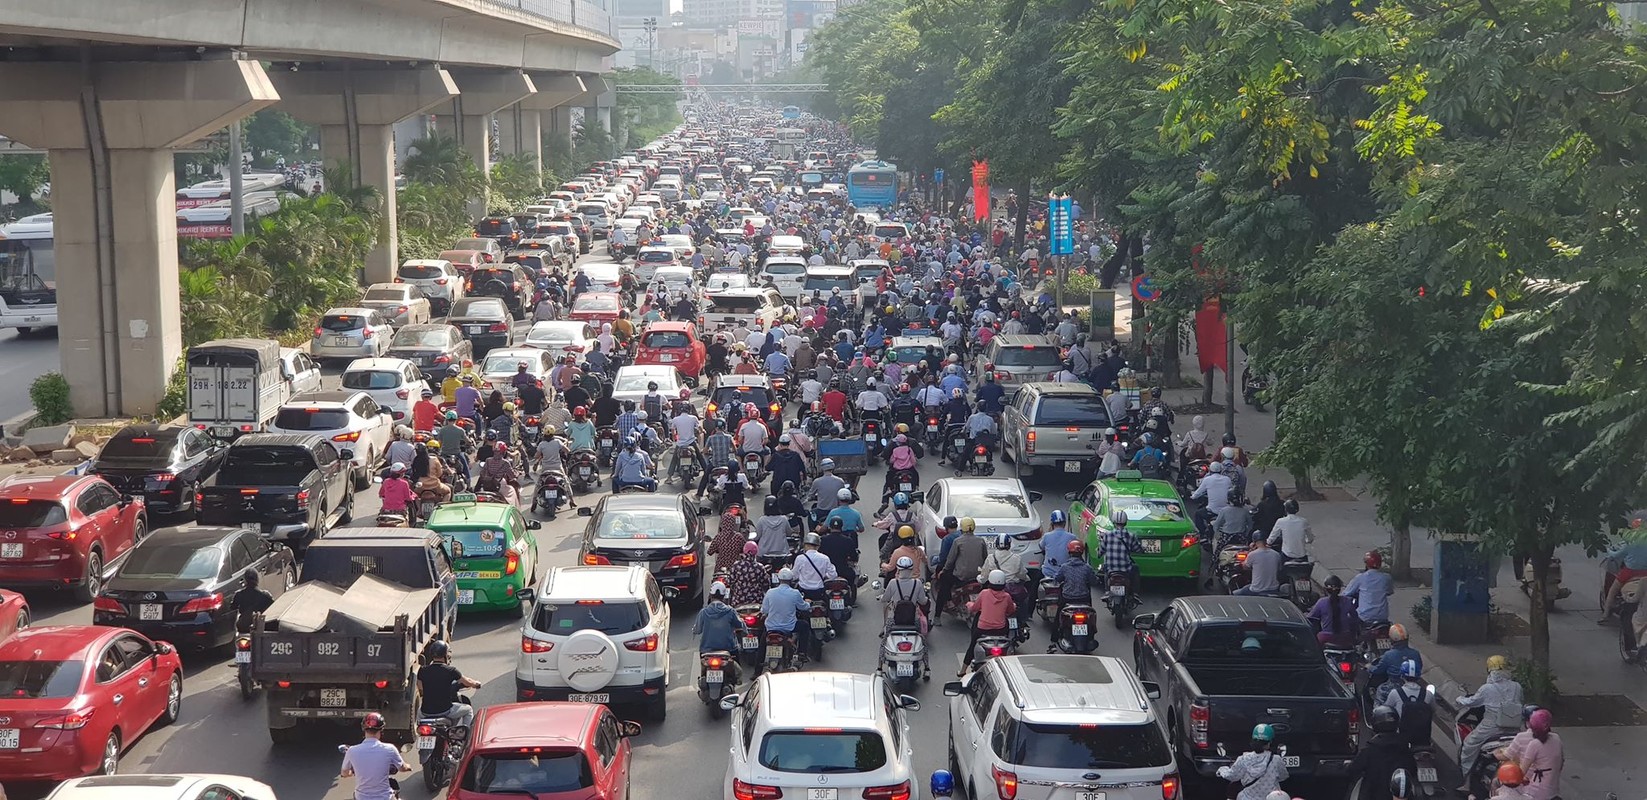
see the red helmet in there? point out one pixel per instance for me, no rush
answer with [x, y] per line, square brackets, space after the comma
[749, 410]
[1077, 547]
[817, 406]
[903, 387]
[686, 394]
[580, 412]
[373, 722]
[503, 447]
[1374, 559]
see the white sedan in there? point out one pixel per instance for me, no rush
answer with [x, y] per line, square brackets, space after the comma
[499, 369]
[558, 336]
[631, 382]
[997, 505]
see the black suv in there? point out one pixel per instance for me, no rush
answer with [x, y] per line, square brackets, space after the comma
[501, 228]
[509, 282]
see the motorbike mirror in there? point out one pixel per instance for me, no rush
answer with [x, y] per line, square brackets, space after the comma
[1035, 497]
[1143, 622]
[527, 596]
[343, 748]
[1152, 690]
[630, 728]
[533, 525]
[906, 701]
[1072, 496]
[670, 593]
[731, 701]
[875, 584]
[954, 689]
[586, 511]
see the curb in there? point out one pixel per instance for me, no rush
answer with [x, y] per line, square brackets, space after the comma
[15, 425]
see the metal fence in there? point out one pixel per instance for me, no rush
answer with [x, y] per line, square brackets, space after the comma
[590, 16]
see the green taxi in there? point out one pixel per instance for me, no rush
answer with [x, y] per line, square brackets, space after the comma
[492, 548]
[1155, 514]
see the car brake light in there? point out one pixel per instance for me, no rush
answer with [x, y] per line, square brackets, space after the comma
[498, 327]
[1189, 540]
[108, 604]
[647, 644]
[318, 331]
[895, 792]
[1006, 783]
[366, 333]
[511, 562]
[67, 536]
[142, 440]
[443, 359]
[530, 645]
[1003, 376]
[351, 436]
[1200, 721]
[440, 281]
[199, 497]
[754, 791]
[1029, 441]
[1355, 720]
[596, 561]
[202, 605]
[302, 499]
[163, 477]
[72, 721]
[683, 560]
[284, 684]
[403, 393]
[1169, 786]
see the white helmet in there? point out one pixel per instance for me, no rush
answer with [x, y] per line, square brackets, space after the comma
[718, 589]
[826, 464]
[844, 495]
[905, 562]
[1228, 453]
[786, 575]
[997, 577]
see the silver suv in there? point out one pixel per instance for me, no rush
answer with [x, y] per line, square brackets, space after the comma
[596, 635]
[1054, 425]
[1020, 358]
[1059, 727]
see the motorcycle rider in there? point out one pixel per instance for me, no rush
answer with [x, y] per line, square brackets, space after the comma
[1215, 488]
[1116, 547]
[1386, 672]
[992, 608]
[786, 465]
[812, 568]
[1233, 523]
[1264, 567]
[850, 519]
[438, 682]
[373, 762]
[749, 579]
[1269, 510]
[552, 455]
[1371, 590]
[716, 452]
[965, 556]
[1382, 754]
[902, 545]
[903, 456]
[781, 607]
[1075, 580]
[906, 588]
[1500, 699]
[772, 533]
[1258, 771]
[395, 492]
[1150, 460]
[633, 467]
[1413, 709]
[1538, 753]
[687, 431]
[718, 627]
[899, 516]
[1336, 624]
[1292, 532]
[1055, 544]
[826, 490]
[1008, 561]
[249, 600]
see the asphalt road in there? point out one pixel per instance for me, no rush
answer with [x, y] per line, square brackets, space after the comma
[22, 359]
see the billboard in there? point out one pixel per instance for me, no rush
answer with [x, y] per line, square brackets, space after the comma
[639, 9]
[804, 13]
[769, 28]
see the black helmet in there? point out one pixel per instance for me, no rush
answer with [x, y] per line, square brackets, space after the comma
[372, 722]
[1291, 506]
[771, 505]
[651, 386]
[1401, 786]
[436, 650]
[787, 489]
[1333, 584]
[251, 577]
[837, 524]
[1229, 440]
[1270, 490]
[1382, 719]
[951, 523]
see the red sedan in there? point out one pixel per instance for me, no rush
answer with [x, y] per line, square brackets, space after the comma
[673, 344]
[551, 751]
[596, 307]
[73, 698]
[14, 613]
[62, 531]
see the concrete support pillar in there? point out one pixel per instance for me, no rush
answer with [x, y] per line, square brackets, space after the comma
[110, 130]
[357, 111]
[545, 107]
[521, 133]
[480, 95]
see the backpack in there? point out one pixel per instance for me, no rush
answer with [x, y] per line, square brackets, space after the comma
[1415, 717]
[904, 611]
[1195, 451]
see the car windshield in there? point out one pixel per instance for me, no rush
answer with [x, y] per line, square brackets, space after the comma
[384, 296]
[260, 465]
[734, 304]
[417, 338]
[609, 618]
[656, 256]
[366, 379]
[728, 281]
[558, 335]
[528, 774]
[595, 302]
[39, 680]
[817, 284]
[1028, 356]
[341, 323]
[145, 445]
[496, 227]
[1082, 410]
[417, 271]
[478, 543]
[641, 524]
[505, 364]
[311, 419]
[988, 504]
[636, 382]
[890, 231]
[1089, 746]
[747, 394]
[1252, 643]
[784, 268]
[819, 751]
[665, 339]
[23, 513]
[1148, 509]
[173, 561]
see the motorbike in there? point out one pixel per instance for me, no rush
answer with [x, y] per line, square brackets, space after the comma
[749, 651]
[780, 652]
[1189, 476]
[530, 433]
[1481, 776]
[1051, 593]
[394, 783]
[243, 665]
[780, 389]
[584, 473]
[455, 477]
[934, 434]
[1553, 590]
[822, 632]
[549, 495]
[686, 465]
[980, 459]
[718, 678]
[873, 437]
[438, 749]
[426, 502]
[391, 519]
[994, 646]
[1119, 598]
[753, 466]
[1296, 584]
[960, 596]
[1231, 567]
[1074, 634]
[905, 480]
[606, 445]
[1252, 389]
[957, 445]
[840, 601]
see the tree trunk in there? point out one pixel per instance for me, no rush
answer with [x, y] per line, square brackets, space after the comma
[1303, 489]
[1206, 388]
[1111, 270]
[1540, 619]
[1021, 225]
[1401, 551]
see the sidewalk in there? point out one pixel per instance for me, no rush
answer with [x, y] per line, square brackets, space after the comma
[1600, 713]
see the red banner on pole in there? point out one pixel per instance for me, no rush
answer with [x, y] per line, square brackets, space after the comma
[1211, 337]
[980, 190]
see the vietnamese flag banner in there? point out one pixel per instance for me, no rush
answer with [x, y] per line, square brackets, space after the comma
[980, 190]
[1211, 336]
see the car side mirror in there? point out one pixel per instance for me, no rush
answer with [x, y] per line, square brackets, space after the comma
[1143, 622]
[1152, 690]
[954, 689]
[1035, 497]
[164, 648]
[1071, 496]
[346, 455]
[527, 596]
[533, 525]
[908, 702]
[584, 511]
[731, 701]
[628, 728]
[917, 497]
[125, 500]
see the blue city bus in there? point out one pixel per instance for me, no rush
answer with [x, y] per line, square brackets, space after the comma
[791, 112]
[872, 184]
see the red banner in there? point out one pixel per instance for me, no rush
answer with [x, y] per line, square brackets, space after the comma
[980, 190]
[1211, 336]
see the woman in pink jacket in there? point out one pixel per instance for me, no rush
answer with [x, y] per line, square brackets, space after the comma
[992, 608]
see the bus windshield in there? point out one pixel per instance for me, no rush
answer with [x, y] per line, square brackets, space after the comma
[27, 265]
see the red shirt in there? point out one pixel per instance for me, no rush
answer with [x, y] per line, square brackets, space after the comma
[424, 413]
[834, 403]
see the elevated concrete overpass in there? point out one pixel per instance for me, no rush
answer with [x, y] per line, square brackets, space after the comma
[110, 89]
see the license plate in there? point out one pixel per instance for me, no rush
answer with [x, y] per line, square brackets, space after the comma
[749, 642]
[1089, 796]
[551, 494]
[869, 437]
[601, 697]
[475, 328]
[1072, 466]
[906, 486]
[666, 358]
[333, 698]
[1012, 622]
[11, 550]
[714, 676]
[149, 612]
[820, 623]
[223, 431]
[960, 444]
[1289, 761]
[31, 319]
[774, 651]
[1078, 630]
[1151, 545]
[466, 597]
[815, 793]
[836, 604]
[425, 742]
[585, 471]
[1301, 585]
[932, 429]
[10, 738]
[243, 657]
[339, 341]
[1427, 775]
[606, 443]
[1383, 644]
[1118, 591]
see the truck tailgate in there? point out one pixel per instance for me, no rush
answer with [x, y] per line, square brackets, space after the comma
[1312, 714]
[316, 657]
[229, 505]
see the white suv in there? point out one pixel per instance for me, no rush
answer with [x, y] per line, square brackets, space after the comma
[828, 735]
[351, 419]
[596, 635]
[395, 383]
[1058, 727]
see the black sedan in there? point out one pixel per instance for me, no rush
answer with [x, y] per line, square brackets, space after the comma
[433, 348]
[661, 532]
[179, 584]
[485, 322]
[161, 463]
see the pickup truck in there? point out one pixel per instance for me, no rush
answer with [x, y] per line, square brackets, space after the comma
[729, 308]
[1054, 425]
[349, 638]
[290, 486]
[1226, 664]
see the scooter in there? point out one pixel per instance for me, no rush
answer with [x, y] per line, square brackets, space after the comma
[1553, 590]
[1480, 777]
[426, 502]
[549, 495]
[686, 465]
[1252, 388]
[905, 480]
[840, 592]
[934, 433]
[1051, 593]
[391, 519]
[243, 665]
[583, 472]
[1296, 584]
[872, 437]
[981, 458]
[749, 650]
[995, 646]
[753, 464]
[438, 747]
[780, 652]
[606, 444]
[1074, 633]
[1231, 568]
[1119, 598]
[822, 632]
[717, 678]
[957, 446]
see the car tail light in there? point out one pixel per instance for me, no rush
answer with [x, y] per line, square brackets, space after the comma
[1004, 377]
[403, 393]
[400, 310]
[302, 500]
[754, 791]
[1006, 783]
[72, 721]
[530, 645]
[319, 331]
[1029, 441]
[683, 560]
[1189, 540]
[1355, 720]
[108, 604]
[398, 280]
[351, 436]
[202, 605]
[1169, 786]
[440, 281]
[498, 327]
[1346, 670]
[895, 792]
[426, 730]
[647, 644]
[511, 562]
[443, 359]
[199, 497]
[596, 561]
[366, 333]
[163, 477]
[1200, 720]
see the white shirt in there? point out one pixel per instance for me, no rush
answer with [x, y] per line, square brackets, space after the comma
[755, 341]
[751, 435]
[1292, 532]
[872, 400]
[686, 429]
[817, 569]
[811, 390]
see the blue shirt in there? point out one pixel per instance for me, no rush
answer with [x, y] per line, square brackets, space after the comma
[374, 762]
[952, 382]
[1388, 667]
[777, 363]
[850, 519]
[843, 351]
[1056, 544]
[781, 605]
[630, 467]
[717, 626]
[1371, 592]
[989, 397]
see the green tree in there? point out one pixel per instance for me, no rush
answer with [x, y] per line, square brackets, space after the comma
[23, 174]
[272, 133]
[643, 117]
[515, 182]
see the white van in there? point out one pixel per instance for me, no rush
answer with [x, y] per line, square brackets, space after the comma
[786, 273]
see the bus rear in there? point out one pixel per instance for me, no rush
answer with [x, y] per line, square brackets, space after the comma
[872, 184]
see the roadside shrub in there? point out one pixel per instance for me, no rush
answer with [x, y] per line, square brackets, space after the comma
[50, 394]
[175, 403]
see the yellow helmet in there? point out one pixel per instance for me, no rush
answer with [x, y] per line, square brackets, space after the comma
[968, 525]
[1497, 663]
[903, 427]
[549, 430]
[906, 532]
[433, 445]
[508, 406]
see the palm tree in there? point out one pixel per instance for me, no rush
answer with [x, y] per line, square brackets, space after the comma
[442, 161]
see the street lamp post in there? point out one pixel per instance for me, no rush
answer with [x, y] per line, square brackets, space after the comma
[650, 25]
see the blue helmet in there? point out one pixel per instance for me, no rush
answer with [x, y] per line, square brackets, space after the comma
[1409, 668]
[943, 783]
[1058, 516]
[901, 500]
